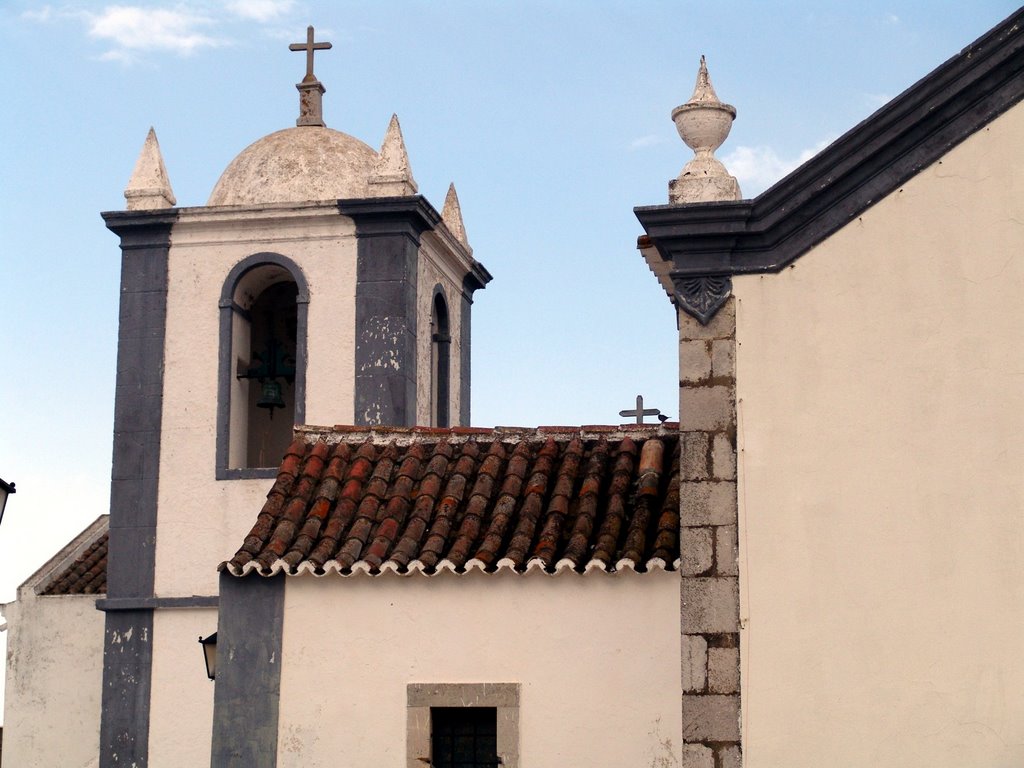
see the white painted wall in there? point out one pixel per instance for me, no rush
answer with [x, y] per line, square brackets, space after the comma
[435, 267]
[597, 656]
[201, 521]
[181, 704]
[881, 448]
[54, 681]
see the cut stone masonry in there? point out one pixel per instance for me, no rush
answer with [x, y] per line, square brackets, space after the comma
[709, 590]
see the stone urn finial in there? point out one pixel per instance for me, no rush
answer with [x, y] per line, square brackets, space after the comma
[703, 123]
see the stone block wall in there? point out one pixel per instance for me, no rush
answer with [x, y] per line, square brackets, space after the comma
[709, 589]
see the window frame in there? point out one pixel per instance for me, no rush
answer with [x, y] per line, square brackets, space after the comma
[227, 307]
[421, 697]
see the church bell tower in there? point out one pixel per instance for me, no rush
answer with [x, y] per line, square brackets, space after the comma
[316, 286]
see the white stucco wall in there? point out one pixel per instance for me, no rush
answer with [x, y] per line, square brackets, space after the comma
[436, 267]
[881, 447]
[54, 681]
[181, 705]
[201, 521]
[597, 657]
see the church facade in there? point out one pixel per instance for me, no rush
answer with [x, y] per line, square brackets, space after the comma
[819, 564]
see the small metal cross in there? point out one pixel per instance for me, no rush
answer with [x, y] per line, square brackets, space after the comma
[309, 46]
[640, 411]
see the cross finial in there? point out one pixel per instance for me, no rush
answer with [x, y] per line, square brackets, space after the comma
[311, 90]
[640, 411]
[309, 46]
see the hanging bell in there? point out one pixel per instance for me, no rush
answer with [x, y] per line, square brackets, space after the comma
[270, 396]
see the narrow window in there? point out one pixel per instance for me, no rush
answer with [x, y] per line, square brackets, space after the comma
[440, 344]
[262, 365]
[265, 372]
[464, 737]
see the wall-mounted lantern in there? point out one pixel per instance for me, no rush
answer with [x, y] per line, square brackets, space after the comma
[210, 654]
[6, 489]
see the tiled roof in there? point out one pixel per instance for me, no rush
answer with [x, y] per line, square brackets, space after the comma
[360, 500]
[86, 576]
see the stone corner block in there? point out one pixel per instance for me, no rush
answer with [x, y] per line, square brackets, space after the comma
[723, 458]
[710, 605]
[711, 718]
[723, 359]
[694, 458]
[694, 361]
[730, 757]
[707, 408]
[698, 553]
[707, 503]
[724, 670]
[694, 663]
[721, 326]
[697, 756]
[726, 551]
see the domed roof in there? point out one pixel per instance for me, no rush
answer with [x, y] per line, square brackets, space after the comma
[295, 165]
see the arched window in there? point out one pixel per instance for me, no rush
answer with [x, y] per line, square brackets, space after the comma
[440, 344]
[261, 391]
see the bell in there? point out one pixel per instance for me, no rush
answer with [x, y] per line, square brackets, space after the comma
[270, 396]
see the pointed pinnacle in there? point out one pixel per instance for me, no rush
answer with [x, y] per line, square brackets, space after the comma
[451, 215]
[392, 174]
[703, 91]
[149, 188]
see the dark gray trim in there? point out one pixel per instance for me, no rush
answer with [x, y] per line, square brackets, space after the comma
[470, 283]
[250, 628]
[127, 684]
[138, 406]
[387, 266]
[135, 603]
[702, 295]
[227, 307]
[443, 338]
[872, 160]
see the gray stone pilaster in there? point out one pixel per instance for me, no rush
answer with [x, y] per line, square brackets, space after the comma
[709, 591]
[138, 406]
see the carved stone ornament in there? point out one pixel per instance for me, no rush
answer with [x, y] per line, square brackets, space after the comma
[702, 295]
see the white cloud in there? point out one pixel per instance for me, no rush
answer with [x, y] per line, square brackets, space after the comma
[646, 141]
[876, 100]
[757, 168]
[260, 10]
[43, 15]
[892, 19]
[135, 30]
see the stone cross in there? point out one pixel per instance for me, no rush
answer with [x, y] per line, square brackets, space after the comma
[640, 411]
[309, 46]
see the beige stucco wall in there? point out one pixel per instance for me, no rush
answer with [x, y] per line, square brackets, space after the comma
[54, 681]
[597, 657]
[181, 705]
[881, 448]
[201, 520]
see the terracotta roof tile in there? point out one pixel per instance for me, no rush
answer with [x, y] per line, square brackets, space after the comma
[374, 499]
[86, 576]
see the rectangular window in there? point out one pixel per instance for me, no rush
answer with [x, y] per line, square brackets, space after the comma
[464, 737]
[462, 725]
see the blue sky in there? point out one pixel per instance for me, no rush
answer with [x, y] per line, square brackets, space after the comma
[551, 118]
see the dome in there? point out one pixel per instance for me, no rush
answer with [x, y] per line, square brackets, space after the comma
[297, 165]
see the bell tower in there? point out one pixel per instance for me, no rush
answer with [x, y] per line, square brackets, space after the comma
[315, 286]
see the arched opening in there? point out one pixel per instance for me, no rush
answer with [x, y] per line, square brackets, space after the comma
[440, 344]
[262, 378]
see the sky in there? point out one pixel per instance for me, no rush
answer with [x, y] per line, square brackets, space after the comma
[552, 119]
